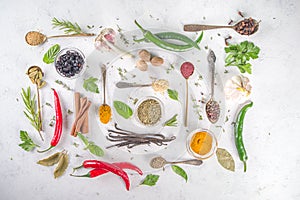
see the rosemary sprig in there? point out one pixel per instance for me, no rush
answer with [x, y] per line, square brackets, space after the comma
[31, 111]
[172, 121]
[67, 26]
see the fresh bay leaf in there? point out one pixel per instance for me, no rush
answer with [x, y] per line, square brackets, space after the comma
[150, 180]
[178, 170]
[123, 109]
[90, 85]
[62, 165]
[225, 159]
[51, 160]
[173, 94]
[50, 55]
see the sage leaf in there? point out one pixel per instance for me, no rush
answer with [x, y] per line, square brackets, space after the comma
[123, 109]
[173, 94]
[50, 55]
[62, 165]
[28, 144]
[225, 159]
[51, 160]
[96, 150]
[178, 170]
[150, 180]
[90, 85]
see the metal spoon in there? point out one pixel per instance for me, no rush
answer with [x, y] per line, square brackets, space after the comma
[212, 107]
[159, 162]
[236, 27]
[35, 38]
[104, 110]
[159, 85]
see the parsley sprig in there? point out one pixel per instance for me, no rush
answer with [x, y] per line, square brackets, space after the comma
[27, 144]
[239, 54]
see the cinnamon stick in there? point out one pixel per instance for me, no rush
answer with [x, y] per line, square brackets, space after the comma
[84, 106]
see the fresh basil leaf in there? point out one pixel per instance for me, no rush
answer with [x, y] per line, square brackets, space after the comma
[90, 85]
[94, 149]
[50, 55]
[150, 180]
[225, 159]
[28, 144]
[173, 94]
[123, 109]
[178, 170]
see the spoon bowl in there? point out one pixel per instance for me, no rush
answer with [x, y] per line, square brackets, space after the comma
[159, 162]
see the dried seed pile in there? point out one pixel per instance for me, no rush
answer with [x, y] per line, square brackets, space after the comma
[149, 112]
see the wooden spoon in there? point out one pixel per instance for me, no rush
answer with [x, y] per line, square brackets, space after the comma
[35, 38]
[104, 110]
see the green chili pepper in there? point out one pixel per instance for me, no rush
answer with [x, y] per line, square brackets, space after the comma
[176, 36]
[159, 42]
[238, 130]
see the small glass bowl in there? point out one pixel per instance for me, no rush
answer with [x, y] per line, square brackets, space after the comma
[58, 59]
[197, 155]
[136, 112]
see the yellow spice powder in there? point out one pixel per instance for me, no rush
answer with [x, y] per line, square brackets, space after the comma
[201, 143]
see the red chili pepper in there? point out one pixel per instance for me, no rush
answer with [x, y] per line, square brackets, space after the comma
[58, 123]
[107, 167]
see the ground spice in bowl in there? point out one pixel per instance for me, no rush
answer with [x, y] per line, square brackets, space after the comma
[149, 111]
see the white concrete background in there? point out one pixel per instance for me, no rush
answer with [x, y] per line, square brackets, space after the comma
[271, 128]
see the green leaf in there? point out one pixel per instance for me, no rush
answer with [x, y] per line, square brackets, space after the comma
[50, 55]
[96, 150]
[28, 144]
[173, 94]
[123, 109]
[172, 121]
[178, 170]
[150, 180]
[90, 85]
[84, 140]
[225, 159]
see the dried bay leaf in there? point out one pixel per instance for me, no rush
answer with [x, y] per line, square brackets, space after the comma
[225, 159]
[62, 165]
[51, 160]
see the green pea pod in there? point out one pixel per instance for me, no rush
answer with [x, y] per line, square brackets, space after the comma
[238, 131]
[159, 42]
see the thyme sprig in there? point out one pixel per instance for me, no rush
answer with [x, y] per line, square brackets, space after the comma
[31, 110]
[67, 26]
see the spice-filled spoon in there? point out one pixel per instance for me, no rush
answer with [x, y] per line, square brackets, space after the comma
[212, 107]
[159, 162]
[186, 69]
[244, 27]
[35, 38]
[159, 85]
[104, 110]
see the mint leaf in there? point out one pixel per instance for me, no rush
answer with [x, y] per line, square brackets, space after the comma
[28, 144]
[90, 85]
[150, 180]
[173, 94]
[178, 170]
[50, 55]
[123, 109]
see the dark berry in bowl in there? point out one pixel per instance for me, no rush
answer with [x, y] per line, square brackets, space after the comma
[70, 63]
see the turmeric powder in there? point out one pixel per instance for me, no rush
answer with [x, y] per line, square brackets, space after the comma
[201, 143]
[104, 113]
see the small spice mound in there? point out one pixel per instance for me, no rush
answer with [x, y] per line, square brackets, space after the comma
[247, 26]
[34, 38]
[149, 112]
[201, 143]
[160, 85]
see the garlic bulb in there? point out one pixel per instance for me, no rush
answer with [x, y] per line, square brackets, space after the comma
[237, 88]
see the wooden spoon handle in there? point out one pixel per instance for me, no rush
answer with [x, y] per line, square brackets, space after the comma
[198, 27]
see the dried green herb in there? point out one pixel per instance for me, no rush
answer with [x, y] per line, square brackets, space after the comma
[27, 144]
[150, 180]
[173, 94]
[51, 160]
[50, 55]
[225, 159]
[123, 109]
[178, 170]
[62, 165]
[172, 121]
[90, 85]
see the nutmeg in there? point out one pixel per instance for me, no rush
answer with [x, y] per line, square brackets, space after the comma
[157, 61]
[145, 55]
[142, 65]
